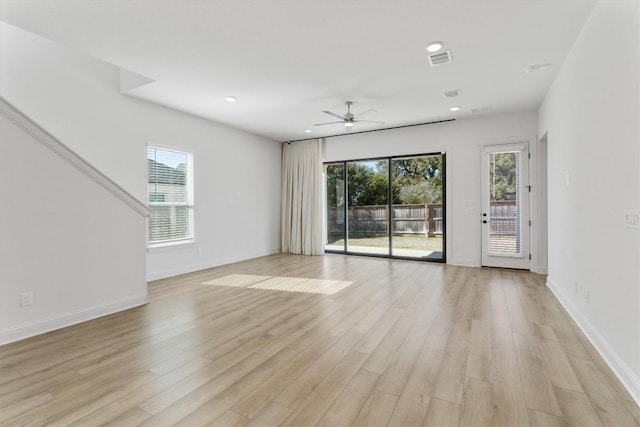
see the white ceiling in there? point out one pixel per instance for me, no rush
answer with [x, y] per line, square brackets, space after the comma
[288, 60]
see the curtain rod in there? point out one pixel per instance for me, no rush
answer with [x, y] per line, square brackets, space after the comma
[372, 130]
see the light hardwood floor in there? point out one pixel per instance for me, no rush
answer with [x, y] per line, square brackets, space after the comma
[407, 344]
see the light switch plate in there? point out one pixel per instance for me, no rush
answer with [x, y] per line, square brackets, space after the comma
[632, 220]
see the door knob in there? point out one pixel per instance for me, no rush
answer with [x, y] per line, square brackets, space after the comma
[484, 221]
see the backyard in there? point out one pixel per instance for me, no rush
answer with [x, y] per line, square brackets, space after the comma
[411, 246]
[415, 245]
[416, 242]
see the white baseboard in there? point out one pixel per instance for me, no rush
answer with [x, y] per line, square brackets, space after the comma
[462, 262]
[184, 269]
[625, 374]
[539, 269]
[37, 327]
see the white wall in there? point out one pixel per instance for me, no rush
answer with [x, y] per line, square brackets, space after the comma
[76, 98]
[591, 116]
[66, 239]
[461, 140]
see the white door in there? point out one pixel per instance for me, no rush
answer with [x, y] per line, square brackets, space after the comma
[505, 206]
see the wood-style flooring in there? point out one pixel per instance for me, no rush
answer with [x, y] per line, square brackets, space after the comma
[408, 344]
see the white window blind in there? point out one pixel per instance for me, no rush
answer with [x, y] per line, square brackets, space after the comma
[504, 203]
[170, 192]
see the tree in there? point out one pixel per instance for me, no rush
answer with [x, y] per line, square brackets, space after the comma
[414, 181]
[367, 183]
[503, 176]
[335, 185]
[417, 180]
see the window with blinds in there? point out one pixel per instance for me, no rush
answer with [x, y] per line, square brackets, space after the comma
[170, 192]
[504, 203]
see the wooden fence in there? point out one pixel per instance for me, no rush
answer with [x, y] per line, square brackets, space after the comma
[373, 220]
[369, 221]
[504, 218]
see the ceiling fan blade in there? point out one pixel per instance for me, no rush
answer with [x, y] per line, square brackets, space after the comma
[370, 121]
[370, 110]
[329, 123]
[334, 114]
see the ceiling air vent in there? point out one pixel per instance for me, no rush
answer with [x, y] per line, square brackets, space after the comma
[440, 58]
[481, 110]
[537, 67]
[452, 93]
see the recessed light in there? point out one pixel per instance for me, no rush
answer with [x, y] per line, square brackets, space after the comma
[454, 108]
[307, 131]
[231, 99]
[434, 47]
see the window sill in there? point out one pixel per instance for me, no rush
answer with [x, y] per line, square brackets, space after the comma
[169, 246]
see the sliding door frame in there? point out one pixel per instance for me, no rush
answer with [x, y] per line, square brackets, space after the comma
[345, 207]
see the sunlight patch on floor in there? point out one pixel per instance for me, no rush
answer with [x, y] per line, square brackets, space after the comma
[288, 284]
[237, 280]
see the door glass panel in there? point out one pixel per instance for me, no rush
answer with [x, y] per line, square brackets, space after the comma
[334, 239]
[387, 206]
[417, 220]
[368, 207]
[504, 203]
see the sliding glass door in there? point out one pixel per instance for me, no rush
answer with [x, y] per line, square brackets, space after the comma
[335, 203]
[392, 207]
[417, 225]
[368, 207]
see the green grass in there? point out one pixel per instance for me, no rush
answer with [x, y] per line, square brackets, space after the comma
[421, 243]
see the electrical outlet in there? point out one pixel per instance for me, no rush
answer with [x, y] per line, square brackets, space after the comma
[26, 299]
[632, 220]
[586, 296]
[576, 286]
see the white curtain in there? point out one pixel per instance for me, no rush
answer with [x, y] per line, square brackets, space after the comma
[302, 226]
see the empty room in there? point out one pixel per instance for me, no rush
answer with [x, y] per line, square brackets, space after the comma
[320, 213]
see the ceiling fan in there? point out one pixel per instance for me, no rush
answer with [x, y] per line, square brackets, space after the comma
[349, 119]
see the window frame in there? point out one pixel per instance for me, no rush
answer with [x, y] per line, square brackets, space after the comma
[190, 239]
